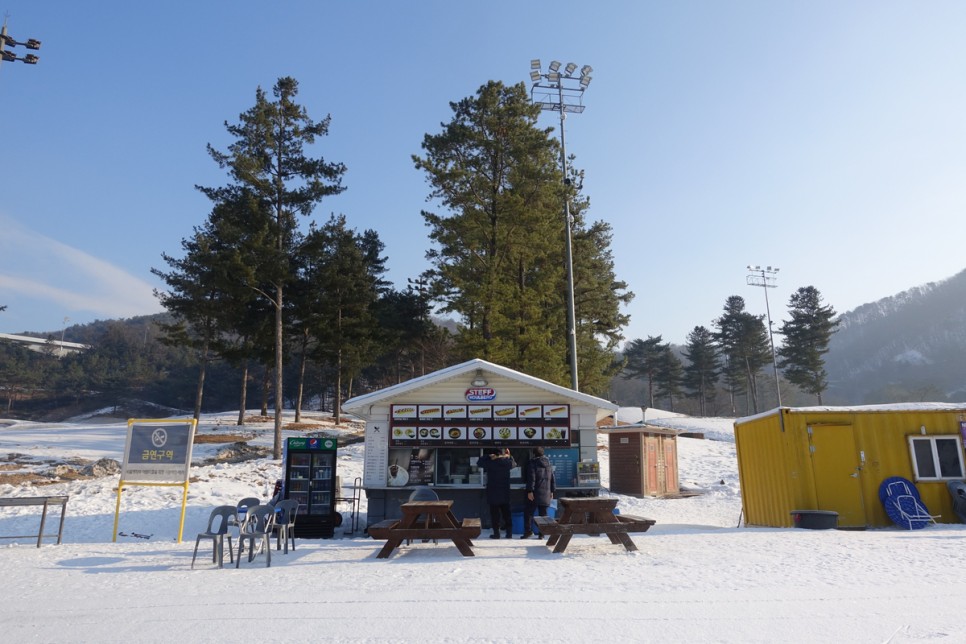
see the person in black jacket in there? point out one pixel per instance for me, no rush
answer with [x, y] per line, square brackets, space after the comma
[497, 466]
[540, 489]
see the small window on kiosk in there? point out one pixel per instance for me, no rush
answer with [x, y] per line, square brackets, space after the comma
[937, 458]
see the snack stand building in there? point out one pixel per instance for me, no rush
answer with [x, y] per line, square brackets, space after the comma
[431, 430]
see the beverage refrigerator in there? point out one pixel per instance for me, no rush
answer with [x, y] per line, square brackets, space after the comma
[310, 477]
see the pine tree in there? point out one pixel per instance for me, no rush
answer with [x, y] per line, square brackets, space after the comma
[347, 268]
[598, 296]
[194, 298]
[498, 260]
[268, 158]
[743, 341]
[701, 372]
[642, 359]
[669, 375]
[807, 336]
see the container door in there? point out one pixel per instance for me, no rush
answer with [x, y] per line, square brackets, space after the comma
[323, 483]
[835, 467]
[297, 478]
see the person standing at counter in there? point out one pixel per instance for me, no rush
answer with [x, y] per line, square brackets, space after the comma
[540, 489]
[497, 467]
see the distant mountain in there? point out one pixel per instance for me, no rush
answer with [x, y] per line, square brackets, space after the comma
[905, 348]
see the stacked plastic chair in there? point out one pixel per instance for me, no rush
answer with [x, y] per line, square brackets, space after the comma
[257, 530]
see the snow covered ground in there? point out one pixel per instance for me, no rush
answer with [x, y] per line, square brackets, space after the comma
[698, 576]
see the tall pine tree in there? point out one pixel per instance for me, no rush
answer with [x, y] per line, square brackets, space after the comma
[268, 157]
[743, 341]
[498, 255]
[701, 372]
[807, 336]
[642, 360]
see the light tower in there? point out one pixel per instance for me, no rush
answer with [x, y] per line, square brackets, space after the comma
[9, 56]
[563, 91]
[765, 277]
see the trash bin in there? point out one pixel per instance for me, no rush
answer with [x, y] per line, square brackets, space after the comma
[815, 519]
[516, 519]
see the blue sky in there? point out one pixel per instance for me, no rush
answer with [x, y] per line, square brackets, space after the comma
[825, 138]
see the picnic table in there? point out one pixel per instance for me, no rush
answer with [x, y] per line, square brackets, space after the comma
[591, 516]
[426, 520]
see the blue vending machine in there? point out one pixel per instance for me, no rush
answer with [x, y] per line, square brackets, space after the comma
[310, 464]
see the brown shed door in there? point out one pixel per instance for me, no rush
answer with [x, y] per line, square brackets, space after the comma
[652, 483]
[835, 466]
[671, 466]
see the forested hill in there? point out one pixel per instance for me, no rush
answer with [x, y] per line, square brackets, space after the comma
[907, 347]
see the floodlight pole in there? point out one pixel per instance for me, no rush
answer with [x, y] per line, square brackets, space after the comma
[567, 99]
[29, 59]
[765, 277]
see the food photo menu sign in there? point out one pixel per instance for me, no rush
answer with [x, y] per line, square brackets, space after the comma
[479, 425]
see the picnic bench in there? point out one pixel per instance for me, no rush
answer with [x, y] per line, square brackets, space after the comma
[591, 516]
[46, 502]
[426, 520]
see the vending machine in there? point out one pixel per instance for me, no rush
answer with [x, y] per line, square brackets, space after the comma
[310, 464]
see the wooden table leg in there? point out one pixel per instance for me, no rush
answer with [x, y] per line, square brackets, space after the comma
[625, 539]
[391, 544]
[562, 543]
[464, 547]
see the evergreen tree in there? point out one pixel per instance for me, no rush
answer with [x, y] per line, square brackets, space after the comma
[701, 372]
[347, 268]
[268, 158]
[807, 336]
[669, 375]
[598, 296]
[405, 329]
[743, 341]
[194, 298]
[642, 359]
[498, 260]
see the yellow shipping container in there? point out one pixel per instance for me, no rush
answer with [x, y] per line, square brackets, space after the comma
[835, 458]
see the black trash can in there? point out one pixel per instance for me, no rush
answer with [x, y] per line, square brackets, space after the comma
[816, 519]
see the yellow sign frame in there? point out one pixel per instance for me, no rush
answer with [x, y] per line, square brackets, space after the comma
[193, 426]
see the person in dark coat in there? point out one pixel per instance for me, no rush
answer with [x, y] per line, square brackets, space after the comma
[540, 489]
[497, 466]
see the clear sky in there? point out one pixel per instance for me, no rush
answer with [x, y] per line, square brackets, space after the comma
[826, 138]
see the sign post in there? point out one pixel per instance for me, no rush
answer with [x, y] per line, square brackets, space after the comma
[157, 453]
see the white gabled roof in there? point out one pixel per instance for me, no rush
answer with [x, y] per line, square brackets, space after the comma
[358, 403]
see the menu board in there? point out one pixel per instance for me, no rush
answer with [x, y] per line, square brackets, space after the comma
[479, 424]
[376, 461]
[564, 462]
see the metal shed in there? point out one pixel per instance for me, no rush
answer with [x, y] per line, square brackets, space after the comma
[835, 458]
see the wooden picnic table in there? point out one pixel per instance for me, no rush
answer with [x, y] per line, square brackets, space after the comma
[591, 515]
[426, 520]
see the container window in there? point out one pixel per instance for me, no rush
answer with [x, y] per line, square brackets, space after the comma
[937, 458]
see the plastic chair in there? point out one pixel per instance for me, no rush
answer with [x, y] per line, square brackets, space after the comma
[284, 526]
[257, 528]
[218, 523]
[242, 507]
